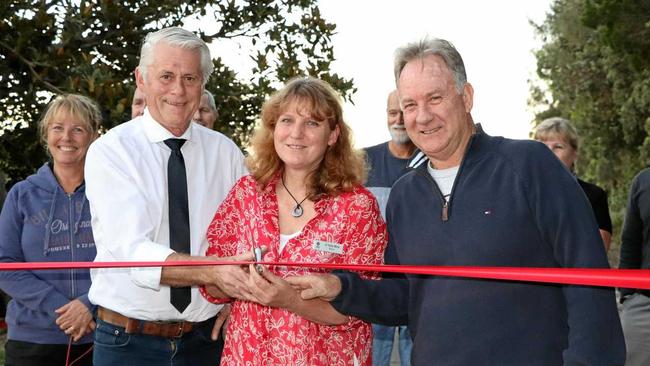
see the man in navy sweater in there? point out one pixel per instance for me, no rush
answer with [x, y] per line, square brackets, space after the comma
[480, 201]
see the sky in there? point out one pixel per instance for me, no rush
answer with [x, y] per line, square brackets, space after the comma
[494, 38]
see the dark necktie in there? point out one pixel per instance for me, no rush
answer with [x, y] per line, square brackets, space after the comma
[179, 216]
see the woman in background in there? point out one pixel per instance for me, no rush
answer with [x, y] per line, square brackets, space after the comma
[562, 138]
[304, 201]
[46, 218]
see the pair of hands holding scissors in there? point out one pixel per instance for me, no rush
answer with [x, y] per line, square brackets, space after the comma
[254, 283]
[258, 284]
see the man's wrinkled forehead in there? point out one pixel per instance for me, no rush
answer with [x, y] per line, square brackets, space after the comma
[424, 75]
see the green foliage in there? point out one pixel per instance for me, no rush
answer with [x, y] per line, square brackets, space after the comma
[92, 48]
[596, 63]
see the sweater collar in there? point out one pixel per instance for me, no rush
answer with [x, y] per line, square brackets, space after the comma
[474, 145]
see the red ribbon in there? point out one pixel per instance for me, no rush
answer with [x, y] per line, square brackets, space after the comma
[631, 278]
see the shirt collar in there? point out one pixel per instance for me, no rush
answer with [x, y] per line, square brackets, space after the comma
[155, 132]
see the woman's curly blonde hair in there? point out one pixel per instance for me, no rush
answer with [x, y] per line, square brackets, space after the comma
[341, 169]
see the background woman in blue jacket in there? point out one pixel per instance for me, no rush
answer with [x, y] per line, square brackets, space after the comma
[46, 218]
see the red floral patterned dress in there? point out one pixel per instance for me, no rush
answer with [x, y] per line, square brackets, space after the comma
[261, 335]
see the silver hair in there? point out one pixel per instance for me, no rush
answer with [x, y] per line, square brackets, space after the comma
[177, 37]
[211, 102]
[432, 46]
[558, 126]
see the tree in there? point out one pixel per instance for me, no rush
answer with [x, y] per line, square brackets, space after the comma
[92, 48]
[596, 63]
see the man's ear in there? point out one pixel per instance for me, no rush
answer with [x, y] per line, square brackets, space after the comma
[468, 97]
[139, 78]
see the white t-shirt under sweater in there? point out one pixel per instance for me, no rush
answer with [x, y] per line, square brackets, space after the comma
[444, 178]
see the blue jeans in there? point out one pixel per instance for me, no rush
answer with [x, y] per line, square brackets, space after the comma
[114, 347]
[382, 345]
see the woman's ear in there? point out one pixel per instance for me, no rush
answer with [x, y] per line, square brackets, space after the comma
[334, 136]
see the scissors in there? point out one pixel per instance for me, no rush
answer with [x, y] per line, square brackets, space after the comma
[258, 258]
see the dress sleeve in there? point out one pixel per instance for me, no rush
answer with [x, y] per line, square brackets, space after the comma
[222, 233]
[381, 302]
[366, 235]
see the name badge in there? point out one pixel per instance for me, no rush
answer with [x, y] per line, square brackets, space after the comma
[326, 246]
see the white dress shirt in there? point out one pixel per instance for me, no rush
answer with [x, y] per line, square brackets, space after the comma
[126, 185]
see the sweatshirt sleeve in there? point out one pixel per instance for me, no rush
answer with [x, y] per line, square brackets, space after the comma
[86, 301]
[565, 221]
[23, 286]
[382, 301]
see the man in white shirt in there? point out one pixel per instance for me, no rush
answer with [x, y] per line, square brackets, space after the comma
[127, 187]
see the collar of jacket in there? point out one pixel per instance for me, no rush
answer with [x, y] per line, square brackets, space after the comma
[474, 145]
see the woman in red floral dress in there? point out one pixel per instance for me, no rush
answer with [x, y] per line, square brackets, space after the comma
[304, 202]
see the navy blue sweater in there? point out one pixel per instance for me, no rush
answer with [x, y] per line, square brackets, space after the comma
[513, 204]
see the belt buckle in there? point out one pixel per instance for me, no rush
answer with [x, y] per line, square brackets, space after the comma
[180, 332]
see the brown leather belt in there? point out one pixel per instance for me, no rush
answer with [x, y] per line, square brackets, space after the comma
[153, 328]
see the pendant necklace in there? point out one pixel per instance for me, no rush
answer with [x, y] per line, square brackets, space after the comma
[297, 211]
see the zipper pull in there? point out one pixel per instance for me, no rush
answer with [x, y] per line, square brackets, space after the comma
[445, 211]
